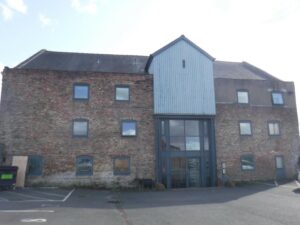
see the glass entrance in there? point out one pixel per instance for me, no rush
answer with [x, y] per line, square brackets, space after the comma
[186, 153]
[185, 172]
[193, 169]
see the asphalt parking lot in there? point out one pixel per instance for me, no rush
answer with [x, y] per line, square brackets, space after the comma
[263, 203]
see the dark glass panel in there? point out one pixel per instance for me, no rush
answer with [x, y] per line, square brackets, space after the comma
[192, 128]
[247, 162]
[193, 172]
[206, 143]
[162, 127]
[164, 172]
[192, 143]
[84, 165]
[178, 172]
[176, 127]
[177, 143]
[163, 143]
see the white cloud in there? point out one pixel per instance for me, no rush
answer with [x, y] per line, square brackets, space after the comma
[45, 20]
[87, 6]
[8, 8]
[7, 13]
[17, 5]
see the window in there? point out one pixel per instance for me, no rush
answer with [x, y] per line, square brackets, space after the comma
[243, 97]
[183, 63]
[273, 128]
[84, 165]
[245, 128]
[80, 128]
[277, 98]
[35, 165]
[184, 135]
[81, 91]
[129, 128]
[247, 162]
[122, 93]
[122, 165]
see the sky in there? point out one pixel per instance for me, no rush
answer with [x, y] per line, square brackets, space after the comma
[265, 33]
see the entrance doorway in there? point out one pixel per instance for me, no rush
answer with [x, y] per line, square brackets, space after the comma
[185, 172]
[186, 155]
[279, 166]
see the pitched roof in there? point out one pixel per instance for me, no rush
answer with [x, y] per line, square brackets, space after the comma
[181, 38]
[129, 64]
[239, 70]
[66, 61]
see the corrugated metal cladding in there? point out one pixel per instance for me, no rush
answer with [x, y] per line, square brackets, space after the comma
[183, 90]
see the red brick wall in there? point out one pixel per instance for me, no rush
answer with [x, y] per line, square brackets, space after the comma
[37, 110]
[230, 145]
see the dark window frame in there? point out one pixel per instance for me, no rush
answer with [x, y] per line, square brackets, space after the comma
[126, 121]
[239, 126]
[279, 128]
[85, 157]
[237, 96]
[122, 86]
[80, 120]
[253, 159]
[82, 85]
[116, 173]
[39, 173]
[277, 92]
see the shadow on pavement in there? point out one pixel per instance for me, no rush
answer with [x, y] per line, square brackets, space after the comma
[101, 199]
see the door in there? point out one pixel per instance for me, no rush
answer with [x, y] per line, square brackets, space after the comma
[193, 171]
[279, 166]
[185, 172]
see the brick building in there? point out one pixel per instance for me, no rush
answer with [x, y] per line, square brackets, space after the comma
[178, 117]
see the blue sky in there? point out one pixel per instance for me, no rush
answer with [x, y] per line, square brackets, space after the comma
[262, 32]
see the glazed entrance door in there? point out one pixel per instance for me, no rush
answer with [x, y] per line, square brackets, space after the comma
[185, 172]
[279, 165]
[178, 172]
[193, 170]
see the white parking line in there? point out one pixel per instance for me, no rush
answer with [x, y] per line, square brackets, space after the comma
[46, 193]
[37, 199]
[26, 195]
[27, 211]
[68, 195]
[38, 220]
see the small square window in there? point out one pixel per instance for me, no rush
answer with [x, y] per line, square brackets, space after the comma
[277, 98]
[245, 128]
[84, 165]
[35, 165]
[243, 97]
[128, 128]
[247, 162]
[80, 128]
[81, 91]
[273, 128]
[122, 93]
[121, 166]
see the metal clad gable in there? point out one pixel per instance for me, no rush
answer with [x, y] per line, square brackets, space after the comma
[178, 90]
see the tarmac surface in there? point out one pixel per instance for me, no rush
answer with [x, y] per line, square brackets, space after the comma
[261, 204]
